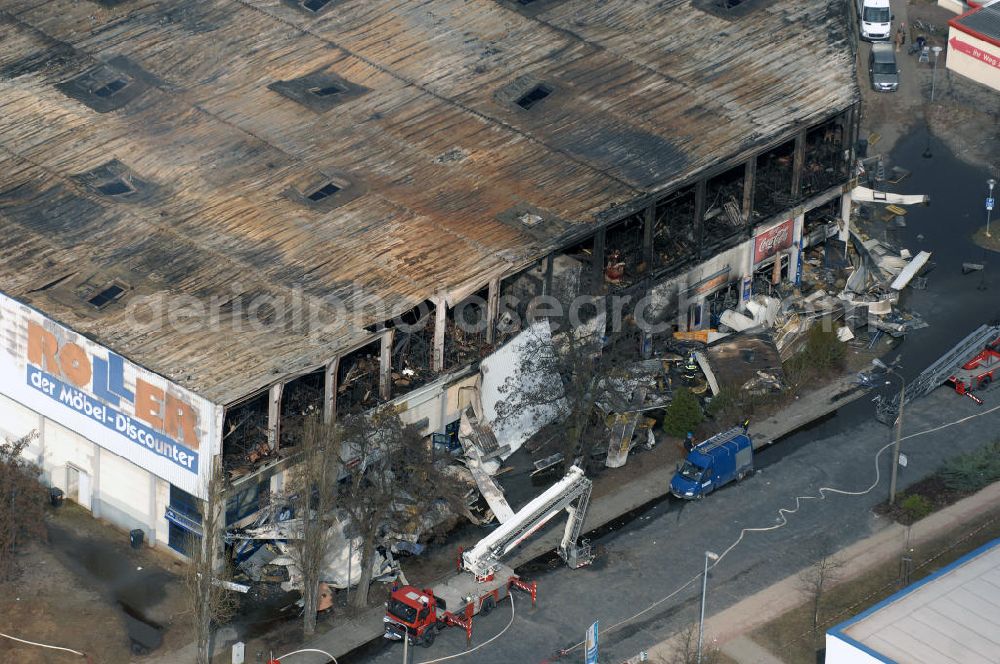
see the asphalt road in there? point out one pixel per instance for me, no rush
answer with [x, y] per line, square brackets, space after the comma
[660, 551]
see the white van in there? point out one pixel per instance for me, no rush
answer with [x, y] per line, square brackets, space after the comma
[875, 18]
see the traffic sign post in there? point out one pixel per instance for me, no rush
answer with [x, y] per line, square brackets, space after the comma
[989, 204]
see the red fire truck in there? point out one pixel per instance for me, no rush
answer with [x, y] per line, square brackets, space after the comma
[419, 614]
[976, 374]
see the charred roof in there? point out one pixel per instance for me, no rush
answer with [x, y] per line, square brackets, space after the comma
[213, 150]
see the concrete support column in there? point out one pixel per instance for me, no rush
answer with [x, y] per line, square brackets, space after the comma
[795, 253]
[274, 415]
[493, 302]
[749, 182]
[845, 217]
[330, 390]
[440, 323]
[385, 364]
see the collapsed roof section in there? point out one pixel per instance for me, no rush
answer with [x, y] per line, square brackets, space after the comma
[363, 155]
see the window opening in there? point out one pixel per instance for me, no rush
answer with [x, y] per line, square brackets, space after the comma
[533, 96]
[115, 187]
[327, 190]
[106, 296]
[327, 90]
[110, 88]
[315, 5]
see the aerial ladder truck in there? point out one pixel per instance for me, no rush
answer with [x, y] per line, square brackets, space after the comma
[483, 581]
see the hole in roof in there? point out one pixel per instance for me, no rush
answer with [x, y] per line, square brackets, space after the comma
[110, 88]
[106, 296]
[533, 96]
[115, 187]
[327, 190]
[729, 4]
[327, 90]
[315, 5]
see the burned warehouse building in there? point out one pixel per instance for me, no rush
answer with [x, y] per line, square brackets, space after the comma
[220, 218]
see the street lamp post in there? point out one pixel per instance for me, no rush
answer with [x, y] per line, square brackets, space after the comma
[899, 427]
[937, 51]
[704, 589]
[989, 204]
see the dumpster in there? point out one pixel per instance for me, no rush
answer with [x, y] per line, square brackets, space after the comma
[136, 536]
[56, 496]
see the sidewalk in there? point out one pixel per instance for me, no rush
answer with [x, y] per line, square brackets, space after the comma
[350, 634]
[728, 628]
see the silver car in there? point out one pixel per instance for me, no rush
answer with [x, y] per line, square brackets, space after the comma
[882, 69]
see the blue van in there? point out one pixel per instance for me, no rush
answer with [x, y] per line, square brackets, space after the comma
[714, 463]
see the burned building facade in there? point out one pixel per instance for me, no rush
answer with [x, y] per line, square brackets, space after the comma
[243, 214]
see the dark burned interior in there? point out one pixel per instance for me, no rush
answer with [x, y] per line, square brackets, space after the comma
[244, 435]
[466, 334]
[300, 398]
[826, 163]
[358, 379]
[723, 221]
[413, 348]
[675, 239]
[624, 262]
[773, 187]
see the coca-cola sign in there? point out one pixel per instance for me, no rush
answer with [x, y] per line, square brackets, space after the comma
[772, 241]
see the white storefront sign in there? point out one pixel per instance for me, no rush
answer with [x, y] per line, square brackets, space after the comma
[124, 408]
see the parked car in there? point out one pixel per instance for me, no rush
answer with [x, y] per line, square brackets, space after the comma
[882, 68]
[723, 458]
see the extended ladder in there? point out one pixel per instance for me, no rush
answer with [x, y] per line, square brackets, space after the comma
[937, 373]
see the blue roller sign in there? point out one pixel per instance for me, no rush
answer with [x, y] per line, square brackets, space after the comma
[591, 645]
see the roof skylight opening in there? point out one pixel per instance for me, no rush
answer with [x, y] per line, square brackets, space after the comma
[533, 96]
[315, 5]
[327, 190]
[106, 296]
[115, 187]
[327, 90]
[110, 88]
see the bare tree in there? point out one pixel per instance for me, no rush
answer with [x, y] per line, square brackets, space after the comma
[211, 603]
[21, 502]
[572, 372]
[816, 579]
[315, 482]
[686, 649]
[393, 479]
